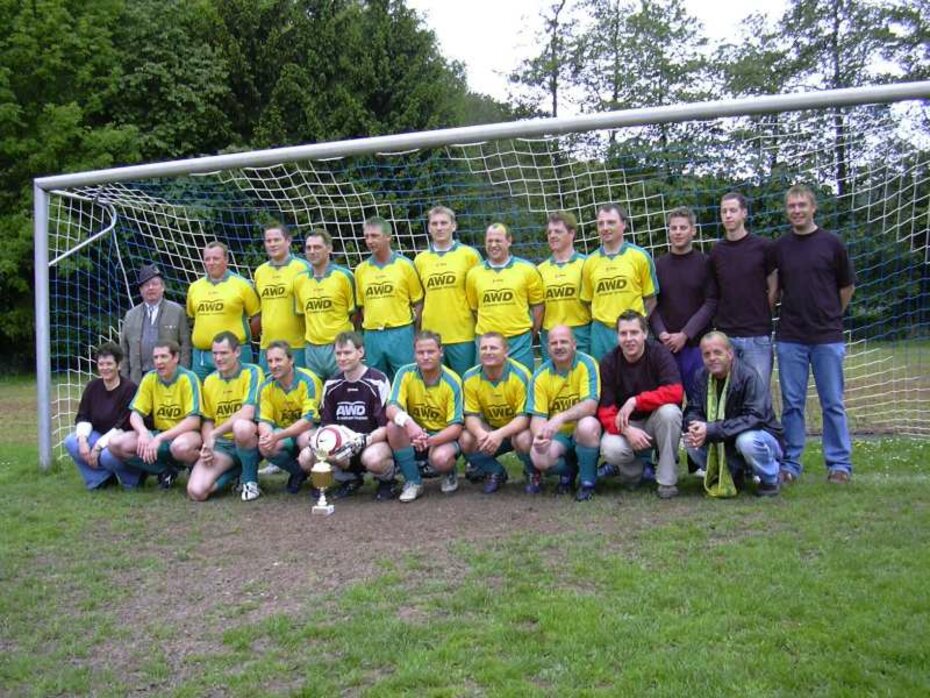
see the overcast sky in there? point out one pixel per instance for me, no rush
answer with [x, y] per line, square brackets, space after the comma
[491, 36]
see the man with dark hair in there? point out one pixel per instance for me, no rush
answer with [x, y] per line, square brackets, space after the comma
[561, 275]
[640, 406]
[743, 267]
[730, 422]
[154, 319]
[817, 281]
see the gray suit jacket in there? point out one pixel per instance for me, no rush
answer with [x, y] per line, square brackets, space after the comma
[172, 324]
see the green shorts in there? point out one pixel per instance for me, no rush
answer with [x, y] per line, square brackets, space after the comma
[321, 359]
[459, 356]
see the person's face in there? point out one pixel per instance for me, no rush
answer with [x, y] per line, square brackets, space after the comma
[492, 353]
[680, 234]
[215, 262]
[348, 356]
[632, 339]
[717, 357]
[153, 290]
[441, 229]
[225, 358]
[107, 367]
[317, 251]
[496, 245]
[561, 345]
[276, 245]
[165, 362]
[560, 238]
[732, 215]
[279, 365]
[610, 227]
[377, 242]
[800, 211]
[428, 355]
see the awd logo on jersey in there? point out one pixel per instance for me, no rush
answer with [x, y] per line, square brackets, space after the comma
[562, 403]
[426, 412]
[380, 290]
[614, 283]
[210, 306]
[350, 410]
[290, 416]
[316, 304]
[504, 295]
[168, 412]
[560, 292]
[274, 292]
[226, 409]
[443, 280]
[499, 412]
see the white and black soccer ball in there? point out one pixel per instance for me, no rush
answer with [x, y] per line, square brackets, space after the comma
[340, 443]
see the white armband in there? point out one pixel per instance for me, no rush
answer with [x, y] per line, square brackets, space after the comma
[83, 429]
[401, 418]
[105, 439]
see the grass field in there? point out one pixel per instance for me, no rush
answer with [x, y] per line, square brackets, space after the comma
[821, 591]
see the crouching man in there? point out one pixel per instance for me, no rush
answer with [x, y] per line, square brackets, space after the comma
[730, 406]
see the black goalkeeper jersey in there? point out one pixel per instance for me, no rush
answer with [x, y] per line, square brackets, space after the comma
[358, 405]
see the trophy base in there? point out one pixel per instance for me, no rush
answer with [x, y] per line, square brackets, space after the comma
[324, 510]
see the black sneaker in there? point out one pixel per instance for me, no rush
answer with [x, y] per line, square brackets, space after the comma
[533, 483]
[295, 482]
[472, 474]
[387, 490]
[607, 470]
[494, 482]
[348, 488]
[167, 477]
[585, 493]
[566, 484]
[768, 489]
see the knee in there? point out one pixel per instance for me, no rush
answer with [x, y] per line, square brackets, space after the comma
[71, 444]
[588, 432]
[616, 449]
[670, 415]
[244, 430]
[467, 442]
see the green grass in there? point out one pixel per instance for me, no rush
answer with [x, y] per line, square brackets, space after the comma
[821, 591]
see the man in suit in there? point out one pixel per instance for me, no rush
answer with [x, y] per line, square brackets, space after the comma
[155, 319]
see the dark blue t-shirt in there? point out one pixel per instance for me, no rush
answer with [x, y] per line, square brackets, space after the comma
[741, 270]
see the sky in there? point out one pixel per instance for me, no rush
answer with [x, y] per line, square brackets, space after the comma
[491, 36]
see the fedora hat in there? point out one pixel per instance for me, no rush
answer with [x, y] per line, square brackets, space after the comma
[147, 273]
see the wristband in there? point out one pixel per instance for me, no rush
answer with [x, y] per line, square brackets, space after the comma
[401, 419]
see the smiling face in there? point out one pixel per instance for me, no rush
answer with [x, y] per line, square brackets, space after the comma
[800, 209]
[497, 244]
[610, 226]
[215, 262]
[717, 356]
[348, 356]
[560, 238]
[680, 235]
[225, 358]
[317, 251]
[632, 339]
[107, 367]
[277, 245]
[561, 345]
[492, 352]
[428, 355]
[280, 365]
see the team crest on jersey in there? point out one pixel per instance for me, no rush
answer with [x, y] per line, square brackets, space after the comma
[609, 285]
[168, 411]
[317, 304]
[560, 292]
[274, 291]
[499, 412]
[441, 280]
[380, 290]
[426, 412]
[350, 410]
[564, 402]
[497, 296]
[228, 408]
[210, 306]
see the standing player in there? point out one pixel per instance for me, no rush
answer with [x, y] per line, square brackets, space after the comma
[495, 412]
[561, 275]
[220, 301]
[390, 295]
[443, 268]
[425, 417]
[506, 293]
[355, 398]
[817, 281]
[230, 441]
[563, 401]
[326, 298]
[274, 281]
[288, 407]
[618, 276]
[743, 266]
[688, 299]
[170, 395]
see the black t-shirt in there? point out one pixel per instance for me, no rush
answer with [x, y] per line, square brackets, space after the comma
[740, 270]
[106, 409]
[358, 405]
[686, 283]
[811, 271]
[621, 380]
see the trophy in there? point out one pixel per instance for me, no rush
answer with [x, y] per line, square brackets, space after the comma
[321, 475]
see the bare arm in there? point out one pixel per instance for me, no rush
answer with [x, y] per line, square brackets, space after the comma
[773, 291]
[650, 304]
[539, 312]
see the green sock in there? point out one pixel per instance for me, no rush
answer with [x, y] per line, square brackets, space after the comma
[587, 463]
[406, 461]
[249, 458]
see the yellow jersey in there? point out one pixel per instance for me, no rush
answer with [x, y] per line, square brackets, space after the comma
[433, 406]
[386, 292]
[496, 402]
[168, 403]
[223, 397]
[563, 292]
[445, 308]
[218, 306]
[502, 296]
[326, 302]
[281, 407]
[275, 286]
[553, 391]
[615, 283]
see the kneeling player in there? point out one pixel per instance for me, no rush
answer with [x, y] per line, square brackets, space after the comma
[495, 412]
[355, 398]
[563, 401]
[425, 413]
[230, 440]
[287, 409]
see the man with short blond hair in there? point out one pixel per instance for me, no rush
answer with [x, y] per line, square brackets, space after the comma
[561, 274]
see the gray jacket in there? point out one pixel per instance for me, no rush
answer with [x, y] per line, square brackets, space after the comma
[172, 324]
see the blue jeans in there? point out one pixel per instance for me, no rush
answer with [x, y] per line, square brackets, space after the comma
[795, 362]
[758, 448]
[689, 361]
[755, 352]
[93, 477]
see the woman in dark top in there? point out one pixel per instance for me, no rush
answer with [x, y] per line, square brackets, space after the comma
[103, 412]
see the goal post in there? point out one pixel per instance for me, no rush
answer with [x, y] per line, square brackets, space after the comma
[93, 229]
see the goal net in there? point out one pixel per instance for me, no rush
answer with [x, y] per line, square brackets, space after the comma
[868, 164]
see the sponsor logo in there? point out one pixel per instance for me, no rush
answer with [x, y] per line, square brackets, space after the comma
[427, 413]
[380, 290]
[274, 292]
[504, 295]
[350, 410]
[614, 283]
[226, 409]
[562, 403]
[443, 280]
[497, 412]
[315, 304]
[560, 291]
[168, 412]
[210, 306]
[290, 416]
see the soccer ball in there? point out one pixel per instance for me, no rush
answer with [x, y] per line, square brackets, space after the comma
[339, 442]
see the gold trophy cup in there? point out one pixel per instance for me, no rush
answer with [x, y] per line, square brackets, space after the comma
[321, 475]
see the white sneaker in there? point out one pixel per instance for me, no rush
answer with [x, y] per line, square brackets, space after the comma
[450, 482]
[270, 469]
[411, 491]
[250, 491]
[699, 473]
